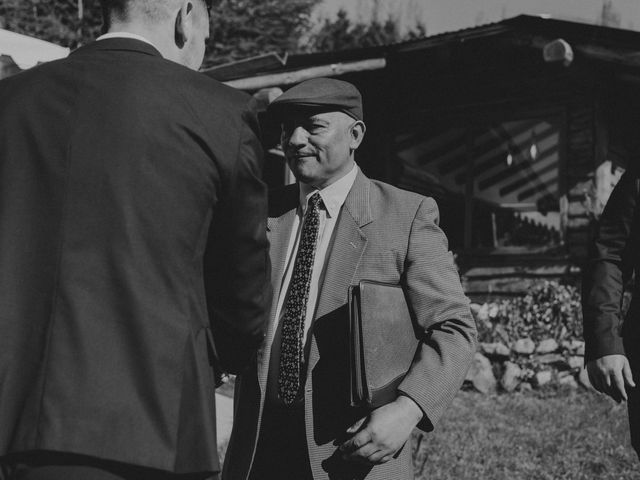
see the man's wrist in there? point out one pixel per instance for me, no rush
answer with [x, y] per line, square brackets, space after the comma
[413, 410]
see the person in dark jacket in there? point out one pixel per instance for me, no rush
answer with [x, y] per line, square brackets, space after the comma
[133, 254]
[611, 354]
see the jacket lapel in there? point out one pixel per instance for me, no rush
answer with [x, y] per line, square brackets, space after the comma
[344, 254]
[279, 232]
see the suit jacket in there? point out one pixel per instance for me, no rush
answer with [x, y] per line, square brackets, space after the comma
[132, 246]
[613, 257]
[386, 234]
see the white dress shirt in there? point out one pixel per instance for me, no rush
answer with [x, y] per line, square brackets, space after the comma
[134, 36]
[333, 197]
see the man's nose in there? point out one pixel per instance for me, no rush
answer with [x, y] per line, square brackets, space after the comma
[298, 137]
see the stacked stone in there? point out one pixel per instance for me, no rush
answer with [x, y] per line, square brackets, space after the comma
[525, 364]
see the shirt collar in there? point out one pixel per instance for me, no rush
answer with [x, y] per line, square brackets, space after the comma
[333, 196]
[133, 36]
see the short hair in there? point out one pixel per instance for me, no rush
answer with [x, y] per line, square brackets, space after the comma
[152, 10]
[112, 9]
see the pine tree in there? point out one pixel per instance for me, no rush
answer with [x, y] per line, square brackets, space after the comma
[246, 28]
[239, 28]
[56, 21]
[341, 34]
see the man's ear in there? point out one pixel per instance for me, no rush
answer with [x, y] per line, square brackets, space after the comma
[181, 28]
[357, 134]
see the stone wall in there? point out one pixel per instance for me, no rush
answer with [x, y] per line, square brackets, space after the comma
[530, 341]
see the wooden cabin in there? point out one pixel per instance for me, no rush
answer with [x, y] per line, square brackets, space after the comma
[519, 130]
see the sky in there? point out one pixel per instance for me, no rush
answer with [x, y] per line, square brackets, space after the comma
[440, 16]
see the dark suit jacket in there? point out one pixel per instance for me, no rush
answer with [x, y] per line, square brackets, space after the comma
[386, 234]
[132, 233]
[614, 255]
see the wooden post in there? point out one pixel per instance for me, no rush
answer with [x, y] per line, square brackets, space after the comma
[494, 229]
[80, 10]
[564, 218]
[469, 190]
[289, 177]
[563, 175]
[297, 76]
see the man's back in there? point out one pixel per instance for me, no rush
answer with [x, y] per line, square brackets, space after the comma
[117, 172]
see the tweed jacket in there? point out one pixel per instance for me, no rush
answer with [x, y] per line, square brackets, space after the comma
[386, 234]
[132, 245]
[613, 257]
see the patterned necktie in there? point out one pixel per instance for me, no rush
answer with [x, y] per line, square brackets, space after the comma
[291, 350]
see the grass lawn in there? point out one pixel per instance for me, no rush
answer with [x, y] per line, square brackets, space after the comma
[552, 434]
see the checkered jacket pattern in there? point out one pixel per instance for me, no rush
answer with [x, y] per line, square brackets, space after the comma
[385, 234]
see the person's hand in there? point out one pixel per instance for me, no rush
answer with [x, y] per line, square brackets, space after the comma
[378, 437]
[609, 374]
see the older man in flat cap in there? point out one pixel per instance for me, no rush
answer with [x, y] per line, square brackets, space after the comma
[333, 228]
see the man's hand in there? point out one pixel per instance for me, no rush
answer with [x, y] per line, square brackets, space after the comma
[380, 435]
[609, 374]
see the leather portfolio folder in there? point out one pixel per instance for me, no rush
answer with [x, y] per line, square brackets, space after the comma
[382, 342]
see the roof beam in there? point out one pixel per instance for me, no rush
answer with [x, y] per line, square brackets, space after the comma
[297, 76]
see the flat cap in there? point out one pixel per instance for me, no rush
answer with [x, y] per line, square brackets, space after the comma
[323, 94]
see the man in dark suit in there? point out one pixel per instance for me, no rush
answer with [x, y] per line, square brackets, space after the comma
[611, 353]
[333, 228]
[133, 253]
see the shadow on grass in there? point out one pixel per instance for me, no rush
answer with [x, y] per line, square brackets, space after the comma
[552, 434]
